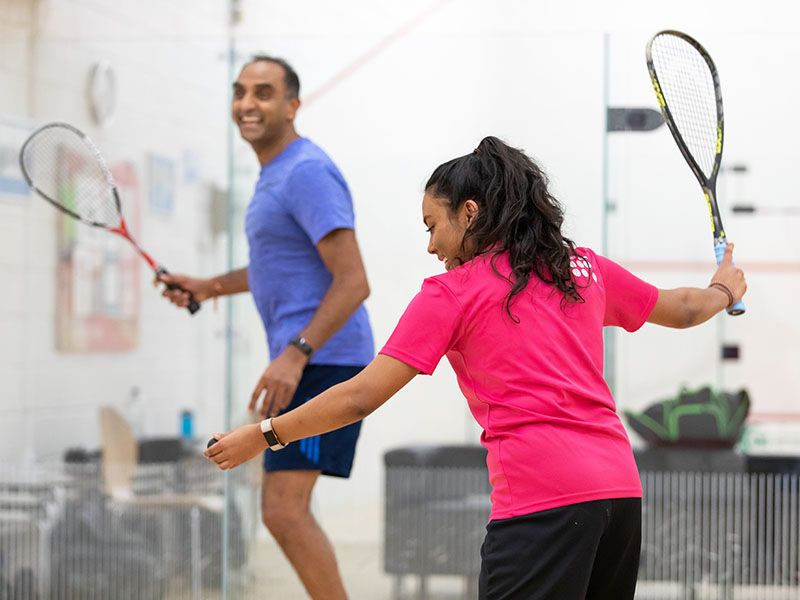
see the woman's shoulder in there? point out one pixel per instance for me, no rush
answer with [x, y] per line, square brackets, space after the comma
[473, 277]
[585, 252]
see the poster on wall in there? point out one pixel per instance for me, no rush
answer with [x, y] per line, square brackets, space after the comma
[13, 133]
[161, 184]
[98, 294]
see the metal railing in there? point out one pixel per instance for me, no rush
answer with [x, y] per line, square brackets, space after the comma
[726, 534]
[720, 535]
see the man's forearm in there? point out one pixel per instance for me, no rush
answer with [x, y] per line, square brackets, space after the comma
[348, 289]
[234, 282]
[346, 293]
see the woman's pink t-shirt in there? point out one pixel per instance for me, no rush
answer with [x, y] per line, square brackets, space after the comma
[536, 387]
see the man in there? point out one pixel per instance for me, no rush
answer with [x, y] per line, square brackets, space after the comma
[308, 282]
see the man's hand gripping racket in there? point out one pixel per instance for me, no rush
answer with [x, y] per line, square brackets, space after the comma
[57, 151]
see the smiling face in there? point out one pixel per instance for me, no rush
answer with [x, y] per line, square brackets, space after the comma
[261, 107]
[447, 228]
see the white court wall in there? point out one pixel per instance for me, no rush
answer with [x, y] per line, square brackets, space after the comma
[392, 90]
[397, 88]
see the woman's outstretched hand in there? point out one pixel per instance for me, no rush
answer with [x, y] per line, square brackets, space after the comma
[730, 275]
[237, 446]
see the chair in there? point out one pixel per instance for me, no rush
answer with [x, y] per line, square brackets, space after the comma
[27, 514]
[120, 457]
[436, 509]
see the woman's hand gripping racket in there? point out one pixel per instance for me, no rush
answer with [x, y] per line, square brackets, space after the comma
[58, 148]
[687, 88]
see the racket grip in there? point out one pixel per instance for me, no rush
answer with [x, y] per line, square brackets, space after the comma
[738, 308]
[211, 442]
[193, 305]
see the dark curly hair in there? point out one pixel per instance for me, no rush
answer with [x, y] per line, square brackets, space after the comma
[517, 215]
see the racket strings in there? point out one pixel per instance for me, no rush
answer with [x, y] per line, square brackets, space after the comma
[66, 168]
[687, 86]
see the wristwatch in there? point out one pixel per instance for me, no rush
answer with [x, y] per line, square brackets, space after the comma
[302, 345]
[272, 440]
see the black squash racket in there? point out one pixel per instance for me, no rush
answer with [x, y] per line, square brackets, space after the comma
[57, 149]
[687, 88]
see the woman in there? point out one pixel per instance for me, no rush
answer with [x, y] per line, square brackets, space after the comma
[520, 315]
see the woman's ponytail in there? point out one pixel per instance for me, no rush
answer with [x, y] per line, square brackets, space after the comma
[517, 215]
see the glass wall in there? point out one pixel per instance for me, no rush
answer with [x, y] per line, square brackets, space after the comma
[110, 393]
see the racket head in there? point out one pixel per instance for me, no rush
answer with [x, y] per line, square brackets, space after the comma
[687, 87]
[65, 168]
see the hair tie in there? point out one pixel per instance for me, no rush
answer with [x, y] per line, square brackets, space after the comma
[476, 150]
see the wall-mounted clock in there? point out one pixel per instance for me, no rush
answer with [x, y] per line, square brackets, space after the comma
[102, 92]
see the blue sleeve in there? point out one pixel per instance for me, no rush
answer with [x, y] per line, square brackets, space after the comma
[318, 199]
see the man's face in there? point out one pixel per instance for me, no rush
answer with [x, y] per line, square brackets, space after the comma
[260, 107]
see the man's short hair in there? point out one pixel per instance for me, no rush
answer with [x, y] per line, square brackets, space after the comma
[290, 77]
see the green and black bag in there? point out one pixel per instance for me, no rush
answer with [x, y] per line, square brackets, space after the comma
[701, 418]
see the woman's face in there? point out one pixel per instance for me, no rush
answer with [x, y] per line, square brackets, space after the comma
[446, 228]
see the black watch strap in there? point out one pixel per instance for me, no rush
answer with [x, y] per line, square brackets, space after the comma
[301, 343]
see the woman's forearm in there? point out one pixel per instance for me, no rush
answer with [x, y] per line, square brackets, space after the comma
[336, 407]
[686, 307]
[346, 402]
[690, 306]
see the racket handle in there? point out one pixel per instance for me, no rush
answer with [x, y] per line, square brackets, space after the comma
[193, 305]
[738, 308]
[211, 442]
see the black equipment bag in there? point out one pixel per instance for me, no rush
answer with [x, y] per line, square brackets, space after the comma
[700, 418]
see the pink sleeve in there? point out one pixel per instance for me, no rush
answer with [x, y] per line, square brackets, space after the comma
[629, 300]
[427, 329]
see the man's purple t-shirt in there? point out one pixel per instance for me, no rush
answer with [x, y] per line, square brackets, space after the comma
[300, 197]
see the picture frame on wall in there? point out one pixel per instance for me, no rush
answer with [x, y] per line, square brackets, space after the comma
[161, 184]
[13, 133]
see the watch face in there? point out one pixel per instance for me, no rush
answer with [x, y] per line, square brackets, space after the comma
[303, 345]
[272, 440]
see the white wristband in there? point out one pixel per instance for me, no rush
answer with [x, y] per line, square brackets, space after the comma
[272, 440]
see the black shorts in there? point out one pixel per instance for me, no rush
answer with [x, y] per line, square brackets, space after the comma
[581, 551]
[332, 452]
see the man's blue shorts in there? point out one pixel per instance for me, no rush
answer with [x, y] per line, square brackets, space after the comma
[332, 453]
